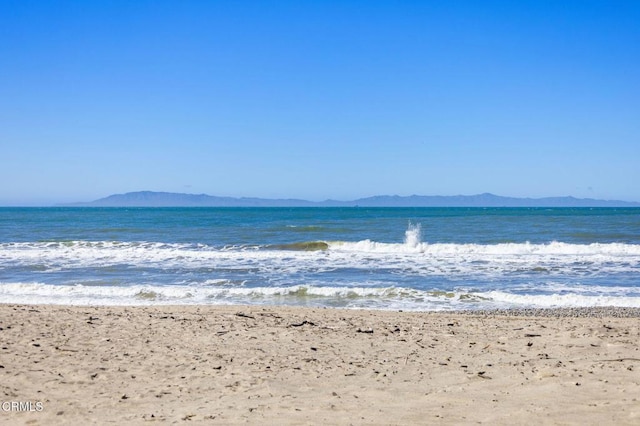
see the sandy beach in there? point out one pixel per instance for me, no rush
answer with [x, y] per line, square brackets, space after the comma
[276, 365]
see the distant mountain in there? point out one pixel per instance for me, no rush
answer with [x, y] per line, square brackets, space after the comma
[487, 200]
[169, 199]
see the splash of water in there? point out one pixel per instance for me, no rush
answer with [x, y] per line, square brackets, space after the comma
[413, 235]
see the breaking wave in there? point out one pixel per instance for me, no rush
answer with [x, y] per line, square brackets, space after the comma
[392, 298]
[411, 274]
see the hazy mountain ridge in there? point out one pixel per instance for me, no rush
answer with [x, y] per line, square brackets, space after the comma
[170, 199]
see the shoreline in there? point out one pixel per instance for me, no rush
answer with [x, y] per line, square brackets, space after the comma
[228, 364]
[564, 312]
[556, 312]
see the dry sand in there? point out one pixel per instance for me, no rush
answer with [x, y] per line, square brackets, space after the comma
[275, 365]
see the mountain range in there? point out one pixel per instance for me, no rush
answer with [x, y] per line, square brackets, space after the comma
[169, 199]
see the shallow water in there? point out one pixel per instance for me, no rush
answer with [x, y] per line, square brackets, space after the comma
[381, 258]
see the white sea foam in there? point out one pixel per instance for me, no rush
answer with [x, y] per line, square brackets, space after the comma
[462, 259]
[306, 295]
[174, 294]
[558, 300]
[412, 257]
[361, 274]
[507, 249]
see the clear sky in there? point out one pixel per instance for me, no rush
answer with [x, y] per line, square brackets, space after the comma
[319, 99]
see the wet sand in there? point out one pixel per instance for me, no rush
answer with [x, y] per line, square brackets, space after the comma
[276, 365]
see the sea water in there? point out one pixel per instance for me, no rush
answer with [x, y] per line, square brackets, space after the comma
[378, 258]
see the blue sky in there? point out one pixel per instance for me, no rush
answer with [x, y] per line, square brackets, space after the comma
[319, 99]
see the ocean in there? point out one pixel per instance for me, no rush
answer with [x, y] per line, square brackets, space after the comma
[419, 259]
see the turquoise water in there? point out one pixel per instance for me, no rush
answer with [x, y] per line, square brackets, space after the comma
[381, 258]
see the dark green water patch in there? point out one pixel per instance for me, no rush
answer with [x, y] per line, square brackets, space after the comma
[302, 246]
